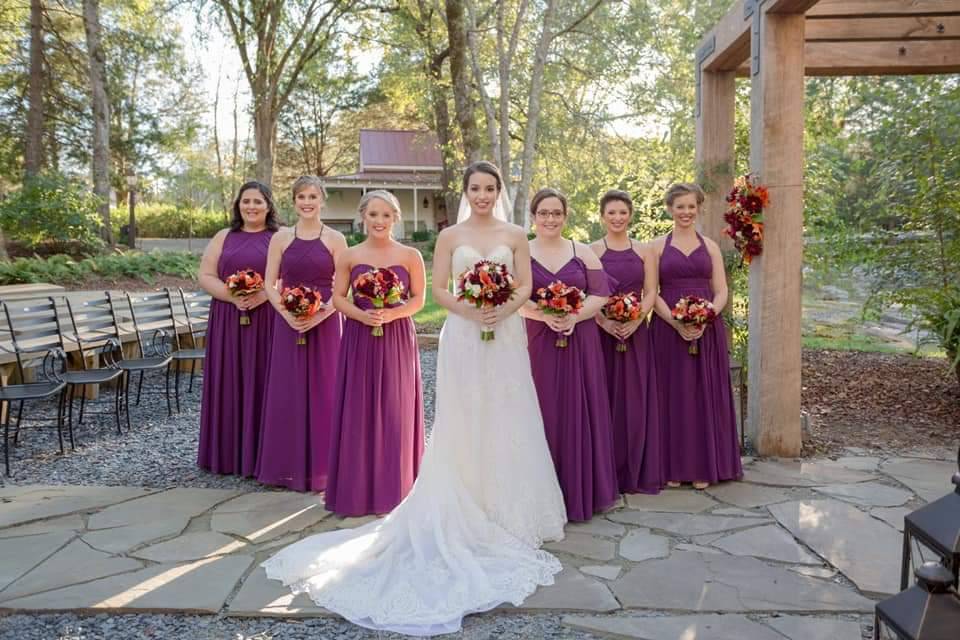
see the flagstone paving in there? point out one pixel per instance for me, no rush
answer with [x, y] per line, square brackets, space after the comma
[797, 550]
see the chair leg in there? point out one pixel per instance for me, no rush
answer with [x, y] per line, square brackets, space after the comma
[70, 405]
[60, 412]
[193, 371]
[117, 405]
[139, 387]
[16, 433]
[5, 409]
[176, 383]
[83, 399]
[167, 384]
[60, 435]
[126, 395]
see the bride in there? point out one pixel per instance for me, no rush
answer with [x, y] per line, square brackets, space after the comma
[466, 539]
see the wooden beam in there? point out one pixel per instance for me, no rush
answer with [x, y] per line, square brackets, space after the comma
[901, 28]
[891, 57]
[714, 151]
[731, 40]
[871, 8]
[776, 156]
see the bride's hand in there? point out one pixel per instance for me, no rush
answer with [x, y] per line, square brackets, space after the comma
[489, 316]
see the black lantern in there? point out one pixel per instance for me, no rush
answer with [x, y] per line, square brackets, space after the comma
[929, 610]
[935, 527]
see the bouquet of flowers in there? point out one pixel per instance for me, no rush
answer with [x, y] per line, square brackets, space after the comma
[696, 311]
[744, 216]
[301, 302]
[243, 283]
[382, 286]
[622, 307]
[559, 299]
[487, 284]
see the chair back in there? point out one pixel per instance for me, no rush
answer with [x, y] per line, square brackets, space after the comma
[32, 331]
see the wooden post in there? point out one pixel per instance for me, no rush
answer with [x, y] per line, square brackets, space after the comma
[776, 155]
[416, 208]
[715, 155]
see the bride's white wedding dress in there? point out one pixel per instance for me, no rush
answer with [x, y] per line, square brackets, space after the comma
[467, 537]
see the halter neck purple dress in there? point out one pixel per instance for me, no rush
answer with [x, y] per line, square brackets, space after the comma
[571, 388]
[377, 437]
[696, 397]
[298, 414]
[632, 387]
[234, 370]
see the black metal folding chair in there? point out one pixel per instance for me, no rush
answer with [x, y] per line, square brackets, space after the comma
[197, 302]
[34, 338]
[95, 333]
[153, 326]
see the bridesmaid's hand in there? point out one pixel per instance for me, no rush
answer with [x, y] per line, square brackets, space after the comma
[297, 324]
[627, 329]
[256, 299]
[373, 318]
[560, 324]
[612, 327]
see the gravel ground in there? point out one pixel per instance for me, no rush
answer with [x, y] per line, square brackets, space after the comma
[503, 626]
[157, 452]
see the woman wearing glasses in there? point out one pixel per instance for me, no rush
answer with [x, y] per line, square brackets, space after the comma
[570, 380]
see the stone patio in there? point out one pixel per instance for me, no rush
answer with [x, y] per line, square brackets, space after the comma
[797, 550]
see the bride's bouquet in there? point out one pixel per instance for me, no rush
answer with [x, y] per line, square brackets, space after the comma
[243, 283]
[696, 311]
[488, 284]
[301, 302]
[559, 299]
[382, 286]
[623, 308]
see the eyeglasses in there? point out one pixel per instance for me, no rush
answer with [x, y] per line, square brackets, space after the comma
[543, 214]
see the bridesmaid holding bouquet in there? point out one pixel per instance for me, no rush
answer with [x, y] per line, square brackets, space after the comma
[377, 438]
[696, 397]
[567, 363]
[628, 350]
[297, 416]
[238, 336]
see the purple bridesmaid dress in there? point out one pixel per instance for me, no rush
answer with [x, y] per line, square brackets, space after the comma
[298, 413]
[377, 438]
[234, 371]
[571, 388]
[632, 387]
[696, 397]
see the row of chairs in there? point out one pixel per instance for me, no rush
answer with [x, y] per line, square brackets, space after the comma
[36, 337]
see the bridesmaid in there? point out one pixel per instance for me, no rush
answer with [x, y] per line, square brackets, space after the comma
[696, 398]
[234, 371]
[298, 414]
[570, 381]
[378, 402]
[631, 375]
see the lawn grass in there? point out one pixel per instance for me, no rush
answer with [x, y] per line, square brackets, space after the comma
[431, 317]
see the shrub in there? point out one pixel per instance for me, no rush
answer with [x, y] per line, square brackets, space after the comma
[50, 214]
[421, 235]
[159, 220]
[63, 269]
[355, 238]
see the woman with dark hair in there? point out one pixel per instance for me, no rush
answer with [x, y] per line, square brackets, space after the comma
[571, 381]
[237, 354]
[628, 350]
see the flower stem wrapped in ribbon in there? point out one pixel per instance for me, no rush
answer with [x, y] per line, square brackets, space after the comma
[559, 299]
[301, 302]
[243, 283]
[488, 284]
[694, 310]
[744, 216]
[382, 286]
[623, 308]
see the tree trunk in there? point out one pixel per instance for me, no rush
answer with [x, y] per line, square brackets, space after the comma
[33, 154]
[265, 135]
[489, 111]
[101, 115]
[533, 113]
[460, 78]
[441, 117]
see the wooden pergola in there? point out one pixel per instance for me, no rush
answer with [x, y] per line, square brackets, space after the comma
[776, 43]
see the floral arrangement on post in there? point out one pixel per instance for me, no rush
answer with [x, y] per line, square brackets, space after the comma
[744, 216]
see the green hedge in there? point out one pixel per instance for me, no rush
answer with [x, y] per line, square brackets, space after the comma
[158, 220]
[62, 269]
